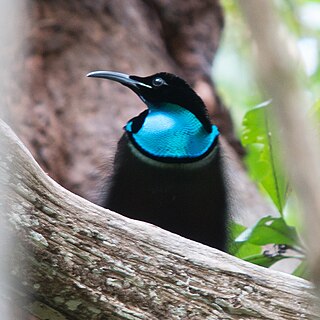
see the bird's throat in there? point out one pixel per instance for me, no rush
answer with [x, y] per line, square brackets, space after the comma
[171, 133]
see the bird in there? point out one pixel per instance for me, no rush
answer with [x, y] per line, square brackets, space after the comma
[168, 168]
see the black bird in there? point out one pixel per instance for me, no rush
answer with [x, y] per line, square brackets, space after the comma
[167, 168]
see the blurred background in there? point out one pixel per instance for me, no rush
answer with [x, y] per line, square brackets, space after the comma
[233, 64]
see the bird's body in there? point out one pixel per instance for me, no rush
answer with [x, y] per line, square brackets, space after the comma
[167, 168]
[180, 197]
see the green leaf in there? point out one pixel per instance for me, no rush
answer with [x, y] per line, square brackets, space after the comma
[241, 249]
[263, 156]
[269, 230]
[265, 261]
[246, 249]
[292, 214]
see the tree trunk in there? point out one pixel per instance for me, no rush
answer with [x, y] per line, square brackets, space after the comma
[85, 262]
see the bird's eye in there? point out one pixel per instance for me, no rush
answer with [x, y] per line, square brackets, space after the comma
[157, 82]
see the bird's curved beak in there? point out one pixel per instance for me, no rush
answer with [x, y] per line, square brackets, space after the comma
[118, 77]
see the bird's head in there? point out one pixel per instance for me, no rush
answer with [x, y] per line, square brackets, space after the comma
[165, 93]
[161, 88]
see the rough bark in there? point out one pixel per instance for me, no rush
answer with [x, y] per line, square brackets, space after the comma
[86, 262]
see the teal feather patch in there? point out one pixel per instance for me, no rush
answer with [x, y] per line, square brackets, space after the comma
[170, 131]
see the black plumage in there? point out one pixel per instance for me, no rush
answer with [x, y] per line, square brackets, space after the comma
[183, 194]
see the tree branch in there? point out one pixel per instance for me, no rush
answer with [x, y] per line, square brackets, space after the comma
[90, 263]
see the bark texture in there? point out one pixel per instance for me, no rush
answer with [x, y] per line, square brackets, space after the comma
[85, 262]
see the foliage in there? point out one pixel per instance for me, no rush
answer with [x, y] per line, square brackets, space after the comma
[269, 239]
[264, 165]
[263, 158]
